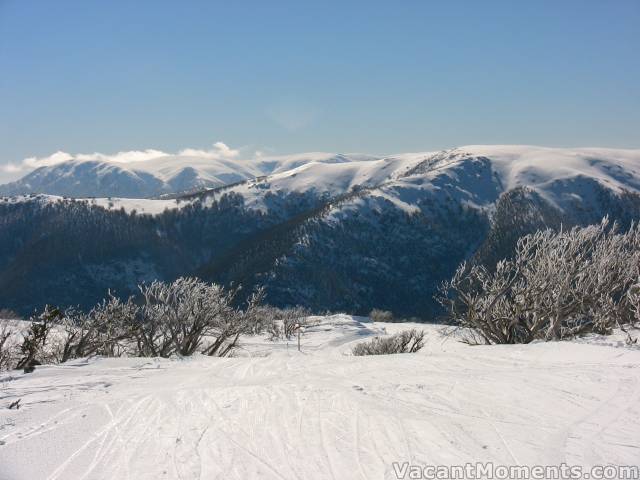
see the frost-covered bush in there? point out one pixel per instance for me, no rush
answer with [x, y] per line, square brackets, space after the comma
[409, 341]
[175, 317]
[228, 328]
[280, 323]
[37, 346]
[377, 315]
[189, 316]
[634, 300]
[8, 347]
[183, 317]
[25, 345]
[106, 330]
[558, 285]
[7, 314]
[115, 322]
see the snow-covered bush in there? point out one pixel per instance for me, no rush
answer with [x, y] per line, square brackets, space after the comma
[115, 322]
[634, 300]
[558, 284]
[75, 337]
[228, 328]
[7, 345]
[37, 347]
[106, 330]
[7, 314]
[377, 315]
[183, 317]
[189, 316]
[281, 322]
[409, 341]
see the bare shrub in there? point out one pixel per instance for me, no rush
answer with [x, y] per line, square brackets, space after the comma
[115, 322]
[408, 341]
[183, 317]
[189, 316]
[558, 285]
[634, 301]
[106, 330]
[7, 347]
[7, 314]
[228, 328]
[377, 315]
[292, 318]
[284, 321]
[264, 319]
[35, 348]
[177, 316]
[74, 338]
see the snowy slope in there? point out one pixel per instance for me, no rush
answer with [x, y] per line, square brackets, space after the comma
[274, 413]
[537, 166]
[471, 175]
[476, 175]
[549, 171]
[282, 163]
[156, 176]
[325, 179]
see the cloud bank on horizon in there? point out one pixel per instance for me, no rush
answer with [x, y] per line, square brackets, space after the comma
[13, 170]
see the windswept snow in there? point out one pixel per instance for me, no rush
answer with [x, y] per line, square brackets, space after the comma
[328, 179]
[475, 175]
[159, 175]
[274, 413]
[139, 205]
[543, 168]
[479, 174]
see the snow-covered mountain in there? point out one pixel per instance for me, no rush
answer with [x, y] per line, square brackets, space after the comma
[325, 231]
[475, 175]
[156, 176]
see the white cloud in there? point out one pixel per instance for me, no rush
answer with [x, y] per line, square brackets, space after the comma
[32, 163]
[131, 156]
[219, 150]
[11, 168]
[35, 162]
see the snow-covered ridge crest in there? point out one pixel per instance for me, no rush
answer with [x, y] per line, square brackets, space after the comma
[475, 174]
[522, 165]
[153, 176]
[478, 174]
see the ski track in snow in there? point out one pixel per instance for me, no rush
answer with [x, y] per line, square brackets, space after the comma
[321, 413]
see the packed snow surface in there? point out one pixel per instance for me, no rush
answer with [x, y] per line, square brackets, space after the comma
[275, 413]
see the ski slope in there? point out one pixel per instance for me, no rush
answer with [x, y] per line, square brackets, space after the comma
[274, 413]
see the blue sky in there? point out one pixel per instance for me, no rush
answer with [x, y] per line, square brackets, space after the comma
[282, 77]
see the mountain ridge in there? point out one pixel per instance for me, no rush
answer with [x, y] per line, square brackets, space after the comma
[166, 174]
[341, 236]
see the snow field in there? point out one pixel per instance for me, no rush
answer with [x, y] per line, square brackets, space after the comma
[275, 413]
